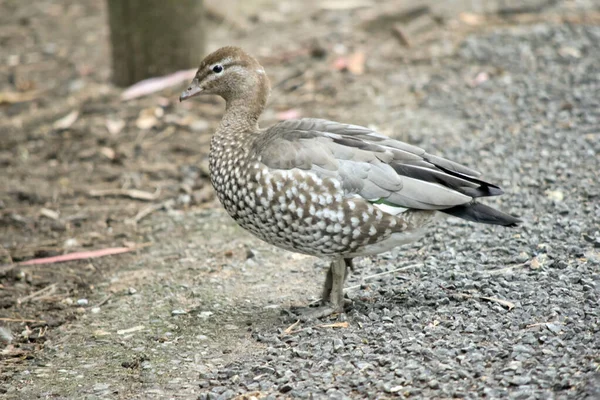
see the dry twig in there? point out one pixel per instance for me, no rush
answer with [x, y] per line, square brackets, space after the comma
[131, 193]
[290, 331]
[290, 328]
[32, 321]
[144, 212]
[48, 290]
[507, 269]
[104, 301]
[509, 305]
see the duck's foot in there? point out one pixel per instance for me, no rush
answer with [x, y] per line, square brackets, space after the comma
[333, 292]
[322, 311]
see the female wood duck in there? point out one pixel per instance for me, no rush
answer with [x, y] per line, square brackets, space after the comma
[325, 188]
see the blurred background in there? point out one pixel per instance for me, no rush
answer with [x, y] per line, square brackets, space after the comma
[92, 159]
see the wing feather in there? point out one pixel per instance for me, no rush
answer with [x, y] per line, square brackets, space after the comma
[371, 165]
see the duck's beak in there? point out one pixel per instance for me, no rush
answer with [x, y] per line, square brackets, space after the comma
[193, 90]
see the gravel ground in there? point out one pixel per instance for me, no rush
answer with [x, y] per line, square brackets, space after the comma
[428, 332]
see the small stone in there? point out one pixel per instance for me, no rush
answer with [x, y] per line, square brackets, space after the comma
[521, 349]
[100, 387]
[203, 383]
[95, 310]
[554, 328]
[555, 195]
[131, 290]
[71, 243]
[373, 316]
[178, 312]
[82, 302]
[285, 388]
[520, 380]
[522, 257]
[13, 60]
[228, 394]
[205, 314]
[396, 389]
[5, 335]
[184, 199]
[338, 345]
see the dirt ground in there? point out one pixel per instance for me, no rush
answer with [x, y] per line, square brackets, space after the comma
[83, 170]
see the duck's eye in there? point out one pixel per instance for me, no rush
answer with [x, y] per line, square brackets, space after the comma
[217, 69]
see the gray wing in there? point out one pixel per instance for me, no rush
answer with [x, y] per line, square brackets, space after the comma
[370, 165]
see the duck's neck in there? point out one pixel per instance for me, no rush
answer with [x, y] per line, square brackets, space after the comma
[244, 109]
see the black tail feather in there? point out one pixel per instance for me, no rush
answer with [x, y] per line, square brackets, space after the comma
[477, 212]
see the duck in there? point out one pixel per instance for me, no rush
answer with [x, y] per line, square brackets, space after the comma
[323, 188]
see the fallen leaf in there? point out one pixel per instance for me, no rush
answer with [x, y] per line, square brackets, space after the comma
[66, 121]
[115, 126]
[19, 97]
[471, 19]
[356, 63]
[146, 119]
[251, 396]
[108, 153]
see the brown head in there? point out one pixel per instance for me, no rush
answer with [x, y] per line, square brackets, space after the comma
[231, 73]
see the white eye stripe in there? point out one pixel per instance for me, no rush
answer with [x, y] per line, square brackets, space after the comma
[223, 63]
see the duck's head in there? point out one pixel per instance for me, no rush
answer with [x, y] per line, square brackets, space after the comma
[231, 73]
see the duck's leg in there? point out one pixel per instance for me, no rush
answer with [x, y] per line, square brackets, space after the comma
[333, 290]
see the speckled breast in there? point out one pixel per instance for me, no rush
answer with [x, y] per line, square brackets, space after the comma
[296, 210]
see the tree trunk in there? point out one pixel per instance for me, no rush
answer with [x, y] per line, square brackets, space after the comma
[154, 37]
